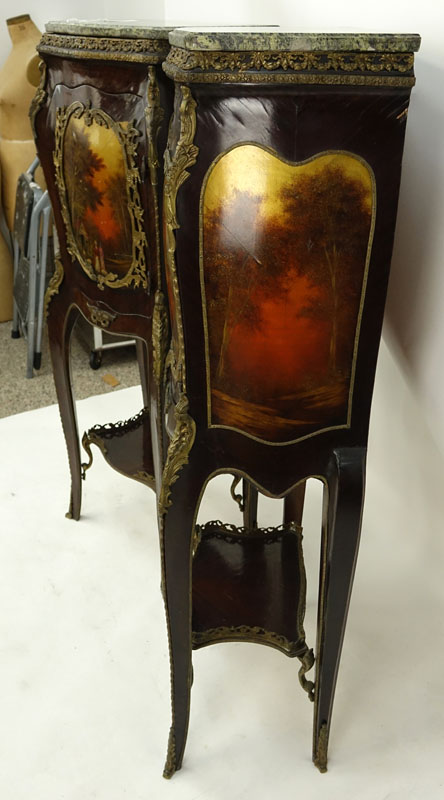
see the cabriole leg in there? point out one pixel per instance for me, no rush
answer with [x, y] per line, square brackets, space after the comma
[343, 503]
[60, 325]
[177, 544]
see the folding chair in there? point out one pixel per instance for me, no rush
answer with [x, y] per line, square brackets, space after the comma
[30, 239]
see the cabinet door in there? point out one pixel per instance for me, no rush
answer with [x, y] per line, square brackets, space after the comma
[99, 158]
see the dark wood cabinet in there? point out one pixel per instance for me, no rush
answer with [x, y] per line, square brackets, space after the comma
[259, 301]
[101, 118]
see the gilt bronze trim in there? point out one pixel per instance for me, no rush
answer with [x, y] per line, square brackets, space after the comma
[176, 166]
[39, 98]
[248, 633]
[127, 136]
[307, 661]
[321, 756]
[54, 283]
[99, 434]
[238, 498]
[154, 115]
[111, 429]
[89, 438]
[374, 69]
[145, 51]
[170, 763]
[160, 336]
[178, 451]
[100, 317]
[232, 534]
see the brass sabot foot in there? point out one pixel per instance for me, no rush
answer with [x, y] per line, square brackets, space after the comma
[320, 757]
[170, 763]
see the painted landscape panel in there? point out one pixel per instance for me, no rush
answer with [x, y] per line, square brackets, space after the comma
[284, 255]
[97, 197]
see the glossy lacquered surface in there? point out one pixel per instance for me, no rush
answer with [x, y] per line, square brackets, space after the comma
[279, 205]
[93, 142]
[319, 212]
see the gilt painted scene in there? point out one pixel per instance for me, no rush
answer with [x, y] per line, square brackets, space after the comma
[94, 171]
[285, 249]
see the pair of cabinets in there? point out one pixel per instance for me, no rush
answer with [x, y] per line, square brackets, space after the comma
[257, 305]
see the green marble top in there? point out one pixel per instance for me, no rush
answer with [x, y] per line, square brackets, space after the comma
[253, 38]
[124, 29]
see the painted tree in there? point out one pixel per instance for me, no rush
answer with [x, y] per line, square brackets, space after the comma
[236, 266]
[324, 235]
[117, 196]
[81, 164]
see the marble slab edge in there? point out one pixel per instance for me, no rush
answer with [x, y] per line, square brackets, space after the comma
[280, 41]
[121, 29]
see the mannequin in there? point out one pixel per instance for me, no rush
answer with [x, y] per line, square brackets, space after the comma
[19, 78]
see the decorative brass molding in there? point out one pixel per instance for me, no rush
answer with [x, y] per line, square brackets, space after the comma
[176, 166]
[215, 529]
[144, 477]
[39, 98]
[258, 635]
[98, 434]
[100, 317]
[154, 115]
[297, 61]
[286, 77]
[307, 661]
[185, 155]
[89, 438]
[151, 51]
[320, 757]
[238, 498]
[54, 283]
[290, 67]
[178, 451]
[111, 429]
[127, 136]
[170, 763]
[249, 633]
[160, 336]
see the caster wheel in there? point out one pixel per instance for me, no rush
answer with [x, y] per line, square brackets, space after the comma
[95, 359]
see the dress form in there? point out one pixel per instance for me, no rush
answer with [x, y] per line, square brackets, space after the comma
[19, 78]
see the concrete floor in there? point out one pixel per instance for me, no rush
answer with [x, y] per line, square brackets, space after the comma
[18, 393]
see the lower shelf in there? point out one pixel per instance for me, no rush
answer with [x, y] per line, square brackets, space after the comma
[126, 446]
[249, 585]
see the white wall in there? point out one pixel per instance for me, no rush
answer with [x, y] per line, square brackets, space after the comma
[43, 10]
[414, 320]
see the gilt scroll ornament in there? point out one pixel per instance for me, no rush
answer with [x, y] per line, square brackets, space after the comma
[97, 178]
[176, 173]
[39, 97]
